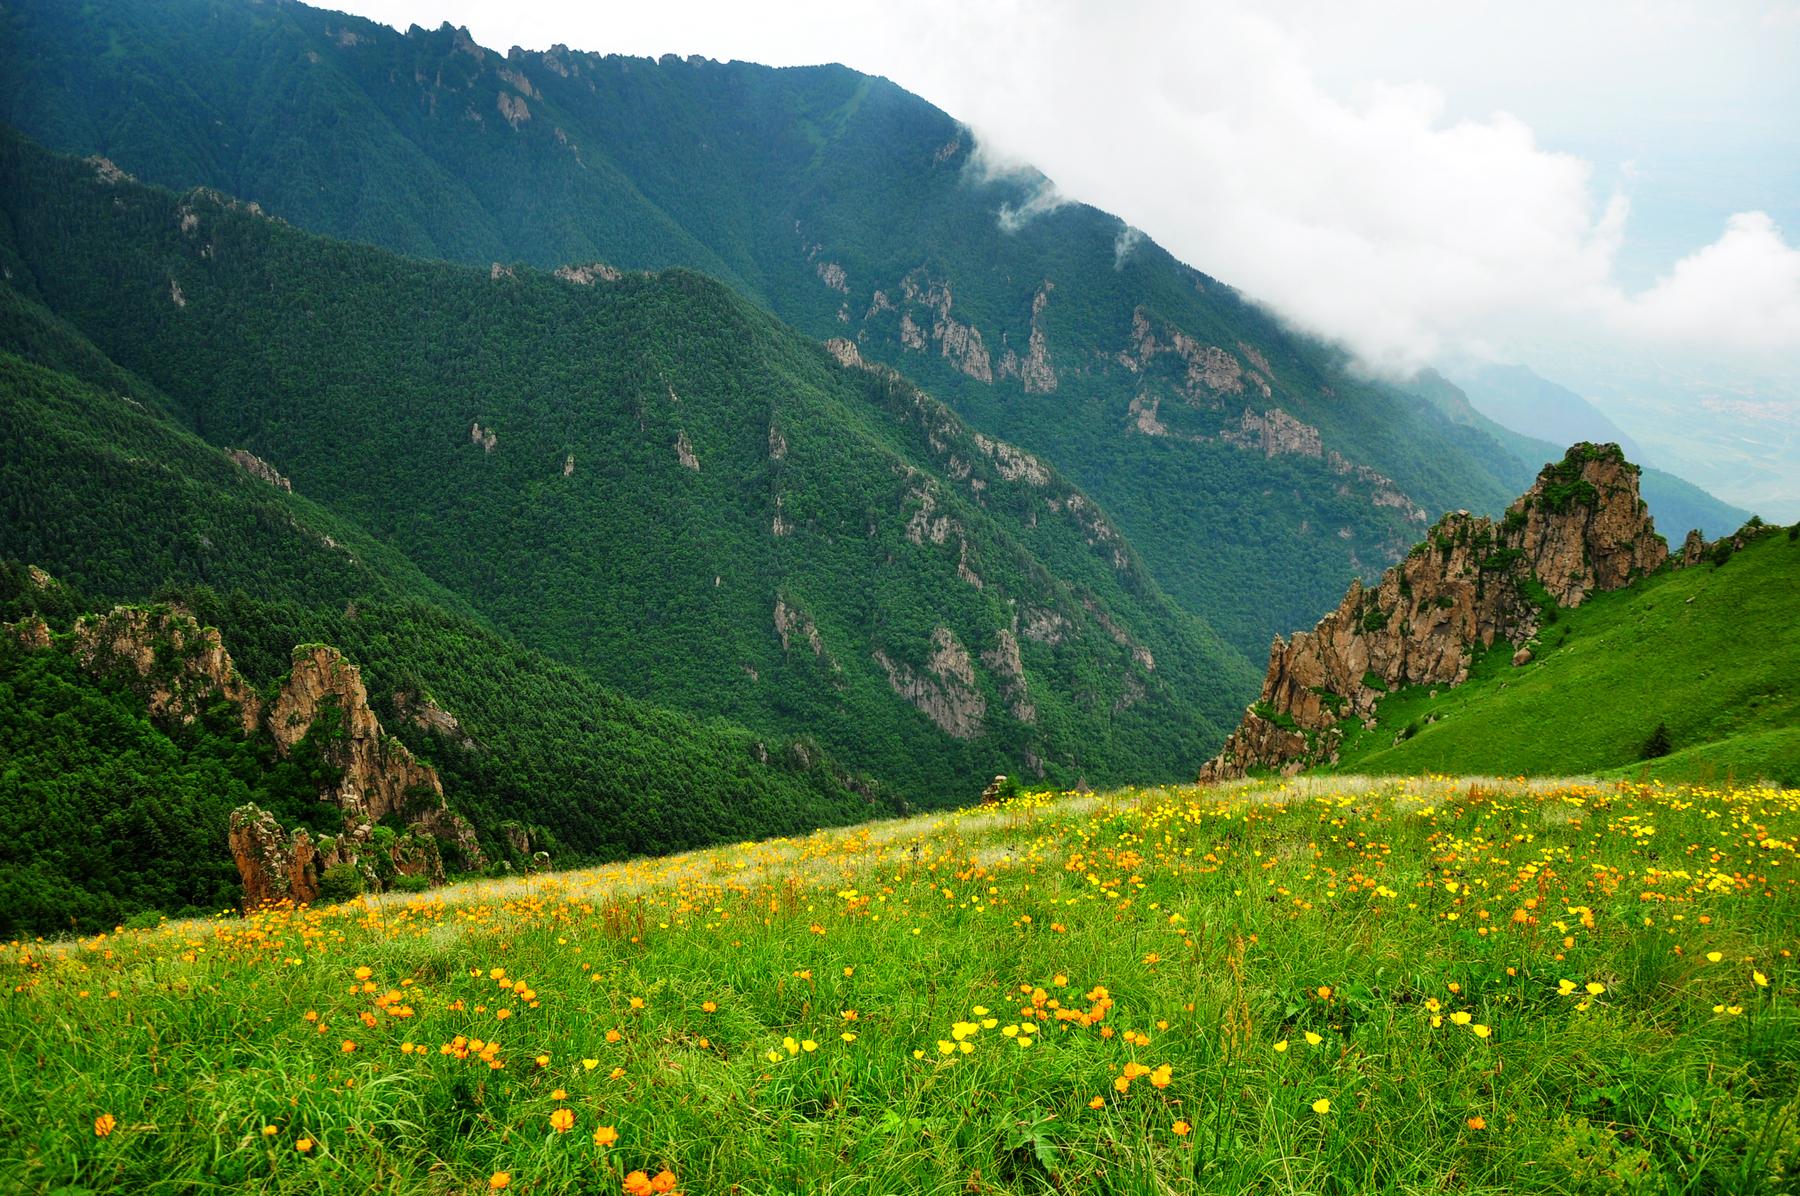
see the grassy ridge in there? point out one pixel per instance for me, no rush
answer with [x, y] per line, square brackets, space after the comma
[1711, 652]
[1326, 987]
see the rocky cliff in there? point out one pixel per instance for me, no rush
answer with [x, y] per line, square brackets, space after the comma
[1473, 582]
[182, 671]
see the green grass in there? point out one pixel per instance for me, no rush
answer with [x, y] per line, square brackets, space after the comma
[1354, 986]
[1711, 652]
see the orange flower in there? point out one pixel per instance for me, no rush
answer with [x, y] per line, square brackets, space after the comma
[304, 1145]
[498, 1180]
[104, 1124]
[559, 1094]
[606, 1135]
[1181, 1129]
[348, 1046]
[663, 1182]
[709, 1006]
[637, 1184]
[562, 1120]
[1478, 1123]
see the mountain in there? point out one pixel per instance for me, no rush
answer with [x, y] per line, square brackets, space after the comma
[1696, 666]
[1252, 470]
[1472, 586]
[1520, 400]
[1563, 639]
[1674, 502]
[645, 477]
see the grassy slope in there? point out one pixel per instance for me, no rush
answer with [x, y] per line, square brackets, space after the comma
[841, 1013]
[1713, 652]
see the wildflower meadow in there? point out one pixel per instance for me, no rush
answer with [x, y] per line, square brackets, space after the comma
[1330, 986]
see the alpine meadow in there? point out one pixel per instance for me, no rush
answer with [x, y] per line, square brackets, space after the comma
[580, 622]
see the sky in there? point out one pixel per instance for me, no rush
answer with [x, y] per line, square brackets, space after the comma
[1606, 191]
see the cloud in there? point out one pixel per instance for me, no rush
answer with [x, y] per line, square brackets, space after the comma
[1742, 291]
[1125, 244]
[988, 163]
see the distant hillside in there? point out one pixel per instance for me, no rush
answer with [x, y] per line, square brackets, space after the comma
[1519, 399]
[645, 477]
[1252, 471]
[1675, 503]
[1710, 653]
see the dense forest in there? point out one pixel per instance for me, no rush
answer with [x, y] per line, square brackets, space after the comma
[649, 479]
[107, 813]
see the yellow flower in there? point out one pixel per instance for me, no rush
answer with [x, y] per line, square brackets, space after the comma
[808, 1045]
[606, 1135]
[104, 1125]
[562, 1120]
[304, 1145]
[1321, 1106]
[1281, 1046]
[590, 1064]
[1762, 981]
[1481, 1031]
[709, 1006]
[559, 1094]
[1714, 956]
[1181, 1129]
[1313, 1039]
[1462, 1019]
[1099, 1102]
[363, 973]
[847, 1036]
[1595, 989]
[270, 1131]
[1565, 987]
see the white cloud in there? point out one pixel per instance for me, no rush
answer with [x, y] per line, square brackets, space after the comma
[1742, 292]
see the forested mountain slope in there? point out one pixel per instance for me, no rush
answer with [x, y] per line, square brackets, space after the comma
[648, 478]
[1253, 470]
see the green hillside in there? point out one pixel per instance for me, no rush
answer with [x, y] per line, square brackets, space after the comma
[840, 202]
[1710, 653]
[649, 479]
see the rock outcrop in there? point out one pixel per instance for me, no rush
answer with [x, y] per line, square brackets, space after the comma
[946, 692]
[274, 866]
[182, 671]
[260, 469]
[1471, 583]
[178, 667]
[379, 776]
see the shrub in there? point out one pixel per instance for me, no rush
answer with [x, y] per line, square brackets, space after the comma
[1721, 552]
[340, 882]
[411, 884]
[1658, 744]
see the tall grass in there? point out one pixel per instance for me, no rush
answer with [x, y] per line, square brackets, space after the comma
[1353, 986]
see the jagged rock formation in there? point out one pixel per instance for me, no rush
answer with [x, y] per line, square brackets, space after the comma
[274, 866]
[178, 667]
[182, 670]
[258, 468]
[380, 776]
[1472, 582]
[946, 692]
